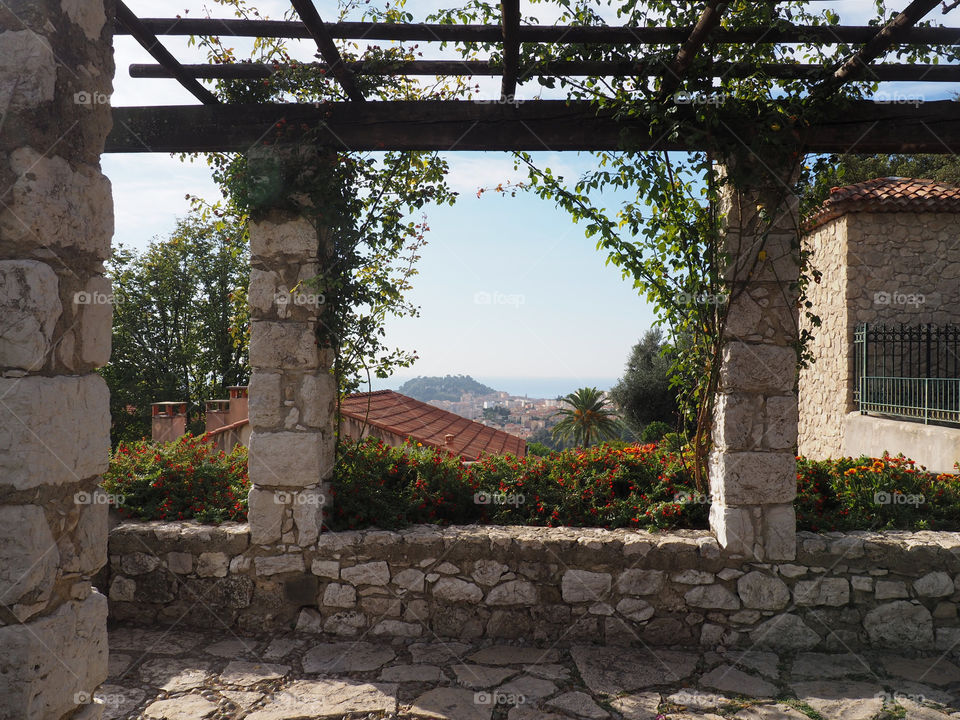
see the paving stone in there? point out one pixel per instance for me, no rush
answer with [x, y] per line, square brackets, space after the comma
[765, 663]
[770, 712]
[186, 707]
[119, 701]
[245, 674]
[412, 673]
[730, 680]
[917, 690]
[828, 665]
[346, 657]
[525, 713]
[279, 648]
[613, 670]
[785, 632]
[929, 670]
[579, 704]
[243, 699]
[158, 642]
[117, 664]
[513, 655]
[480, 677]
[697, 699]
[916, 711]
[548, 671]
[175, 674]
[452, 704]
[231, 648]
[841, 700]
[318, 699]
[528, 687]
[640, 706]
[438, 652]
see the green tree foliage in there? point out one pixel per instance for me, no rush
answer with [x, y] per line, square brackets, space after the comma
[644, 394]
[179, 322]
[587, 419]
[497, 415]
[449, 387]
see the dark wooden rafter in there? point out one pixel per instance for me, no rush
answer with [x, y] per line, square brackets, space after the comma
[902, 72]
[159, 53]
[862, 127]
[858, 64]
[510, 27]
[676, 72]
[328, 49]
[599, 35]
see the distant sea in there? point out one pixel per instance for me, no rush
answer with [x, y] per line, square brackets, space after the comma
[531, 387]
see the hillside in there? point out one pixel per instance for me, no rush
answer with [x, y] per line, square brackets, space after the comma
[451, 387]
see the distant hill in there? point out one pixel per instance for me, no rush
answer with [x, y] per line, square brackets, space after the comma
[451, 387]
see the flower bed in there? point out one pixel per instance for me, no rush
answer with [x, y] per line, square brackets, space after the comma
[606, 486]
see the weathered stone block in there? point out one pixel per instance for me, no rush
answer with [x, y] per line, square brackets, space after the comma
[32, 78]
[30, 307]
[514, 592]
[85, 550]
[318, 397]
[265, 515]
[274, 565]
[410, 579]
[713, 597]
[28, 555]
[585, 586]
[899, 624]
[212, 564]
[752, 367]
[308, 515]
[934, 584]
[295, 238]
[337, 595]
[374, 573]
[451, 589]
[763, 592]
[640, 582]
[53, 430]
[738, 421]
[785, 633]
[283, 346]
[266, 409]
[753, 478]
[734, 529]
[779, 532]
[289, 459]
[780, 422]
[822, 591]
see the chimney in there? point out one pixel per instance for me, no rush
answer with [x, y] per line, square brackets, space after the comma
[238, 404]
[168, 421]
[448, 439]
[216, 412]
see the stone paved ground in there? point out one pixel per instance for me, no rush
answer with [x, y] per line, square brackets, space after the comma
[188, 675]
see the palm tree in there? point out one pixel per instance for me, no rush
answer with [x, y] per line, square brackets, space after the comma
[588, 418]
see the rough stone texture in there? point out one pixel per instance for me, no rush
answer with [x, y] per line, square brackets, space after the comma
[452, 704]
[730, 680]
[825, 591]
[328, 699]
[31, 555]
[30, 306]
[585, 586]
[842, 700]
[899, 624]
[785, 632]
[763, 592]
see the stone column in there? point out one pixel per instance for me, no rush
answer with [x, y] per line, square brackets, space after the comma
[292, 391]
[56, 223]
[752, 465]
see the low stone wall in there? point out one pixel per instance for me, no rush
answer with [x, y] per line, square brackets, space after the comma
[897, 590]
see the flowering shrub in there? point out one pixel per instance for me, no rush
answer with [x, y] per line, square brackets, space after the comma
[180, 480]
[875, 494]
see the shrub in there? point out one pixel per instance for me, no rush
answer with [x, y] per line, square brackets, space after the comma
[187, 479]
[655, 431]
[538, 449]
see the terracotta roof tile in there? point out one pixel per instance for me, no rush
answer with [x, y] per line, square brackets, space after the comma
[404, 416]
[887, 194]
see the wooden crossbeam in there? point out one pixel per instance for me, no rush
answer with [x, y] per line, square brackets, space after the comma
[159, 53]
[510, 25]
[891, 33]
[328, 49]
[601, 35]
[675, 73]
[864, 127]
[901, 72]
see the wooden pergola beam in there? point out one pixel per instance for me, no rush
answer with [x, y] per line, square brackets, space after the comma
[609, 35]
[328, 49]
[903, 72]
[864, 127]
[891, 33]
[510, 26]
[677, 70]
[159, 53]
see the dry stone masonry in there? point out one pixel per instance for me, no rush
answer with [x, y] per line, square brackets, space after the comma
[56, 224]
[563, 585]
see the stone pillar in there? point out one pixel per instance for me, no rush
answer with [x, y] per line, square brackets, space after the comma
[752, 465]
[292, 393]
[56, 223]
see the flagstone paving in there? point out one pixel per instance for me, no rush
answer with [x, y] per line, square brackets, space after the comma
[189, 675]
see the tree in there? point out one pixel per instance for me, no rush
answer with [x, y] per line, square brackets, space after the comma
[587, 419]
[644, 394]
[498, 415]
[179, 322]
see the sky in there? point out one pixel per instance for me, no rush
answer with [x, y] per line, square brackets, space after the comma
[509, 288]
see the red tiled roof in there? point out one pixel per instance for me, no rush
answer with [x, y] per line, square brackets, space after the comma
[887, 194]
[404, 416]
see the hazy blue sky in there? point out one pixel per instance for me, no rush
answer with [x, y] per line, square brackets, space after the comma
[508, 286]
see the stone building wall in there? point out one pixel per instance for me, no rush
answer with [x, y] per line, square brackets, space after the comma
[56, 224]
[877, 268]
[564, 585]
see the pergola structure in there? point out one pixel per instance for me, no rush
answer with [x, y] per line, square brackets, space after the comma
[56, 221]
